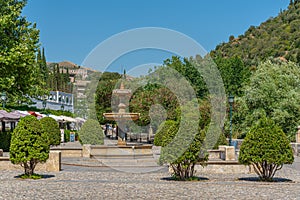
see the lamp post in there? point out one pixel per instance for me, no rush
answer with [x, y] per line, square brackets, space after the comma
[230, 100]
[44, 103]
[3, 98]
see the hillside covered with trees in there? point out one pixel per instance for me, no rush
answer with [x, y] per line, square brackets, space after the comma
[278, 37]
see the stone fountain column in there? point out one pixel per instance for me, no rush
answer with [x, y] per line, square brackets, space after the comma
[121, 116]
[121, 124]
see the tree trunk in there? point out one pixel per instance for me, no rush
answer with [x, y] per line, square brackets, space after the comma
[29, 167]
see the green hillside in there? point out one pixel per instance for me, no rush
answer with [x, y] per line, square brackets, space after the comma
[278, 37]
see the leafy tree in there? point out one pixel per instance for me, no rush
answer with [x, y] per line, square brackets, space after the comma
[29, 144]
[185, 68]
[19, 40]
[52, 130]
[274, 91]
[182, 144]
[266, 148]
[103, 98]
[144, 98]
[91, 133]
[234, 74]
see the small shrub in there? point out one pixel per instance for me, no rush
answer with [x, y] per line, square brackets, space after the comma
[67, 135]
[52, 130]
[192, 151]
[91, 133]
[29, 144]
[266, 148]
[5, 138]
[221, 141]
[33, 176]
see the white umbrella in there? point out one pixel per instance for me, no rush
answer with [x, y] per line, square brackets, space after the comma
[57, 118]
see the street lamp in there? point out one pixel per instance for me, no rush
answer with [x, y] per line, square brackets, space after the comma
[44, 103]
[230, 100]
[3, 98]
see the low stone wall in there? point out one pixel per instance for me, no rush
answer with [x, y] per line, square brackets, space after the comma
[67, 152]
[296, 148]
[116, 151]
[224, 153]
[53, 164]
[225, 167]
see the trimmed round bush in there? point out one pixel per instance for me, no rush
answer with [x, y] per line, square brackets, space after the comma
[5, 138]
[29, 144]
[52, 130]
[91, 133]
[266, 148]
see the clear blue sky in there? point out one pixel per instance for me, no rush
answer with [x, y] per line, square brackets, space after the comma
[70, 29]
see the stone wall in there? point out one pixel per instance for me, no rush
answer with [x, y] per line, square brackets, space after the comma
[223, 168]
[53, 163]
[296, 148]
[67, 152]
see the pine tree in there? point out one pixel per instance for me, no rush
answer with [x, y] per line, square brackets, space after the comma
[44, 65]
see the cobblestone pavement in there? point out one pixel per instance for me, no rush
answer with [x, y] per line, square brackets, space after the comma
[105, 183]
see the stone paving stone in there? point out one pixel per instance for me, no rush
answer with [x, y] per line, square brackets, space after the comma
[105, 183]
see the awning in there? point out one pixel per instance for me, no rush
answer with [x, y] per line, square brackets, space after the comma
[8, 117]
[57, 118]
[68, 119]
[20, 113]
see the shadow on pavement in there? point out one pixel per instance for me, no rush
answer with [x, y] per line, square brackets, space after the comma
[256, 179]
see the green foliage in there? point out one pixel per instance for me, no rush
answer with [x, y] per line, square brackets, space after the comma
[33, 176]
[166, 133]
[183, 143]
[52, 130]
[5, 138]
[266, 148]
[91, 133]
[274, 91]
[29, 144]
[144, 99]
[234, 74]
[276, 37]
[67, 134]
[57, 77]
[221, 141]
[42, 64]
[185, 68]
[105, 87]
[19, 40]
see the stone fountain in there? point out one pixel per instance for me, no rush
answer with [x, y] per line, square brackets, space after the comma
[129, 157]
[109, 154]
[121, 116]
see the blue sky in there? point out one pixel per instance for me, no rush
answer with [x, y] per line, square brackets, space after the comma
[71, 29]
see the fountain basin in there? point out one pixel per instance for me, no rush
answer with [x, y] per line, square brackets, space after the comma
[121, 116]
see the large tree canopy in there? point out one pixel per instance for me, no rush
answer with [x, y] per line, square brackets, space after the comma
[19, 40]
[274, 91]
[107, 83]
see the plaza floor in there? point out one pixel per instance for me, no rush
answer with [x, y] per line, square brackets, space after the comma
[77, 182]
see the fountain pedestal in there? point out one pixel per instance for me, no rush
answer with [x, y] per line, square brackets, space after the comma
[121, 116]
